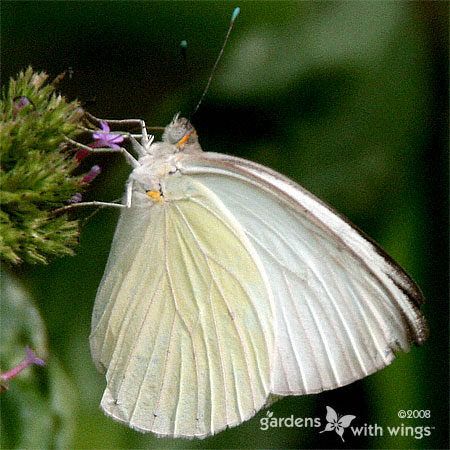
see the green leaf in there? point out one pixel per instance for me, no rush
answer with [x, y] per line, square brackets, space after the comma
[38, 407]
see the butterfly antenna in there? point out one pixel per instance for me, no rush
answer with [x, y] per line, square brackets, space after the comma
[183, 49]
[234, 15]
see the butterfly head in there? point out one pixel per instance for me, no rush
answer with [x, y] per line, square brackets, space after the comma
[182, 134]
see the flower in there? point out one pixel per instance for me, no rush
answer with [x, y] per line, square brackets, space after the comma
[95, 170]
[76, 198]
[81, 154]
[20, 103]
[30, 359]
[105, 138]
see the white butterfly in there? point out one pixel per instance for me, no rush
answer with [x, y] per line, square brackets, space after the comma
[228, 283]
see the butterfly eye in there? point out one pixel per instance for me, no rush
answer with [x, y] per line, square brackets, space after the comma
[178, 132]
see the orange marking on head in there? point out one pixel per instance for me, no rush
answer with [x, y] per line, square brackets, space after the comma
[184, 139]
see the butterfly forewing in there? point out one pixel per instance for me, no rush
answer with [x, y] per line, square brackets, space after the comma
[341, 308]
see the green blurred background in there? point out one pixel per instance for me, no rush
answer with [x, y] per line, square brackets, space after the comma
[347, 98]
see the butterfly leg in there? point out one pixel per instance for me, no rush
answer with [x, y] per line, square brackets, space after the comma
[128, 193]
[83, 204]
[125, 204]
[128, 156]
[130, 122]
[139, 148]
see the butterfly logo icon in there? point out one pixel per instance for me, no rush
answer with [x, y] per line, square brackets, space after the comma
[337, 423]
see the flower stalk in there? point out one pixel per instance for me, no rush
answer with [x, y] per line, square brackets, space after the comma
[38, 171]
[29, 360]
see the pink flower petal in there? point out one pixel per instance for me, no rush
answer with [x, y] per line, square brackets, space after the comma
[95, 170]
[32, 358]
[116, 138]
[105, 126]
[81, 154]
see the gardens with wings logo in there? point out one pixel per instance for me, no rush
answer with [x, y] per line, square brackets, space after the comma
[342, 424]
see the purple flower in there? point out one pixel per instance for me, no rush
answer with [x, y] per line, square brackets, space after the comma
[76, 198]
[105, 138]
[30, 359]
[20, 103]
[95, 170]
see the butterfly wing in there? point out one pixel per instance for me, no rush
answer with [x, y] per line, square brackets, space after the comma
[342, 306]
[346, 420]
[331, 415]
[182, 323]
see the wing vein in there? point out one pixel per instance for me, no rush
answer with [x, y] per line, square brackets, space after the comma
[146, 373]
[180, 372]
[183, 244]
[320, 280]
[255, 311]
[212, 281]
[121, 283]
[216, 283]
[133, 348]
[304, 332]
[166, 356]
[367, 322]
[163, 378]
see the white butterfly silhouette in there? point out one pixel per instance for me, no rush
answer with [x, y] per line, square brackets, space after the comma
[337, 423]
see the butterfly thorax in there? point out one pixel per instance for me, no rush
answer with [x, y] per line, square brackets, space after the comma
[162, 158]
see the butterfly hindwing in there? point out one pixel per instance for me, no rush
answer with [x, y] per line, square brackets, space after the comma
[183, 320]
